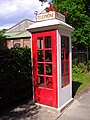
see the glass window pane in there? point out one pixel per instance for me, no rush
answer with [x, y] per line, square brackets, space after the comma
[40, 43]
[62, 42]
[67, 42]
[40, 55]
[48, 42]
[41, 69]
[62, 54]
[67, 54]
[17, 45]
[49, 82]
[62, 81]
[67, 66]
[62, 66]
[49, 69]
[67, 79]
[40, 81]
[65, 60]
[48, 55]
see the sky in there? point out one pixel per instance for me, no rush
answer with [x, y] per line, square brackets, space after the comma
[14, 11]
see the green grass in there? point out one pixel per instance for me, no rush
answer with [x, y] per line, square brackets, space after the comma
[80, 81]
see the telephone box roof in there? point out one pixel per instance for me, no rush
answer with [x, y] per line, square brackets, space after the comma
[48, 25]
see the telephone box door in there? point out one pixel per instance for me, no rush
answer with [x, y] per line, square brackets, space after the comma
[44, 53]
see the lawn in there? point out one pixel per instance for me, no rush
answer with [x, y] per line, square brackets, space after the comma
[80, 81]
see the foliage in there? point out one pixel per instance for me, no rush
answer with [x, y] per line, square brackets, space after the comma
[79, 57]
[15, 75]
[2, 39]
[80, 68]
[88, 65]
[80, 81]
[88, 7]
[76, 15]
[75, 61]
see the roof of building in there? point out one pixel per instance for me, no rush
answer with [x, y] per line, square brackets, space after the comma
[22, 34]
[21, 26]
[19, 30]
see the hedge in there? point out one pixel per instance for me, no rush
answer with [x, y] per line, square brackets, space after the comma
[15, 76]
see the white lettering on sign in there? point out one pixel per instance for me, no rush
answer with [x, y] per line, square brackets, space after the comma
[45, 16]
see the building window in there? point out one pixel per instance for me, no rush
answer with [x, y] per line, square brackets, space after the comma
[65, 61]
[17, 45]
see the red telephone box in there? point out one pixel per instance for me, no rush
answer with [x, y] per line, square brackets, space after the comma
[51, 60]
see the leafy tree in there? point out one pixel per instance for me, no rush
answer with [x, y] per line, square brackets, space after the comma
[88, 7]
[2, 39]
[77, 16]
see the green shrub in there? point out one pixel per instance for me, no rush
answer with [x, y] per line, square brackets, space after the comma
[88, 65]
[75, 61]
[15, 76]
[80, 68]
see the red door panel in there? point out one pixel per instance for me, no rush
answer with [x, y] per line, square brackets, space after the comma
[45, 96]
[44, 67]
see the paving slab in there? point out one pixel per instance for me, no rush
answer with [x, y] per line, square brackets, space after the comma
[79, 110]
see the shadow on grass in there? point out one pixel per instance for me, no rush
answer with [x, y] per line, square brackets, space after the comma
[75, 86]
